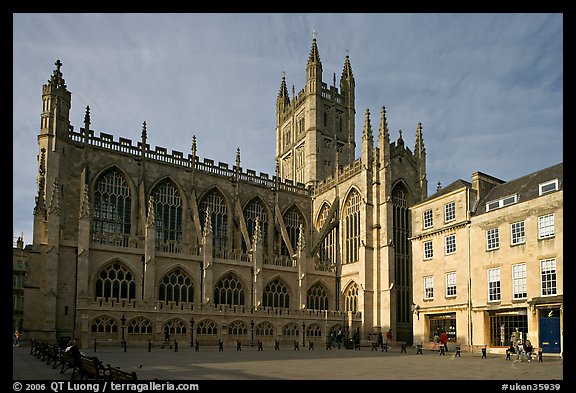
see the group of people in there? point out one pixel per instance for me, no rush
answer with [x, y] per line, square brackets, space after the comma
[336, 338]
[441, 339]
[520, 348]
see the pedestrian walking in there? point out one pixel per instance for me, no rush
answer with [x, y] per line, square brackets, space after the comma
[17, 336]
[444, 340]
[380, 340]
[389, 337]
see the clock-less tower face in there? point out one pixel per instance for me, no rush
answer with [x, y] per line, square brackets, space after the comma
[315, 129]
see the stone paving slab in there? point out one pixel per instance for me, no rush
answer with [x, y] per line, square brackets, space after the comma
[287, 364]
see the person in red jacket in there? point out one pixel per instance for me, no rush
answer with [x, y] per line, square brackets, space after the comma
[444, 340]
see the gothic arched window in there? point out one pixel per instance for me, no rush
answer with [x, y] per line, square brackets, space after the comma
[229, 290]
[276, 295]
[290, 330]
[104, 325]
[237, 328]
[219, 218]
[177, 287]
[112, 210]
[292, 220]
[402, 246]
[264, 329]
[168, 217]
[327, 251]
[175, 327]
[255, 209]
[351, 298]
[139, 325]
[352, 227]
[206, 328]
[317, 297]
[115, 282]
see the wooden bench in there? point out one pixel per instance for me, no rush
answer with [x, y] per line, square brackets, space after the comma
[90, 367]
[53, 355]
[68, 361]
[116, 374]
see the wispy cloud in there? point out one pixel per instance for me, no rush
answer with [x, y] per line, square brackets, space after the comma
[488, 88]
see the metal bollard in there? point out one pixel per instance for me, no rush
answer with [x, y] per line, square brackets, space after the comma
[484, 353]
[175, 346]
[149, 346]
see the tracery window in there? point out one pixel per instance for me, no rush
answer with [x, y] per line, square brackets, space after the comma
[291, 330]
[115, 282]
[177, 287]
[317, 297]
[112, 210]
[313, 330]
[327, 251]
[139, 325]
[206, 327]
[352, 227]
[176, 326]
[276, 295]
[168, 217]
[237, 328]
[351, 298]
[104, 325]
[229, 290]
[292, 220]
[255, 209]
[264, 329]
[219, 219]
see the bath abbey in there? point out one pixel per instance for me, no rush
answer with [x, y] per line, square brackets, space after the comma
[135, 243]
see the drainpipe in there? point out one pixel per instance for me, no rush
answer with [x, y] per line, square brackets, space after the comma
[469, 269]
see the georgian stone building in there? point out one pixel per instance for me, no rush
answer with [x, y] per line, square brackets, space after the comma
[132, 241]
[488, 261]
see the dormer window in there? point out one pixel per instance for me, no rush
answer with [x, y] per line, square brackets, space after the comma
[547, 187]
[502, 202]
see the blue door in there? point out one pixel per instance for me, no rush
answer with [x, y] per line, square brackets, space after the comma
[549, 323]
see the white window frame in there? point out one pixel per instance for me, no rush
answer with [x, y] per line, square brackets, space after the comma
[428, 249]
[497, 204]
[546, 226]
[541, 187]
[494, 285]
[492, 239]
[547, 271]
[429, 287]
[428, 222]
[517, 233]
[448, 244]
[450, 211]
[519, 283]
[451, 284]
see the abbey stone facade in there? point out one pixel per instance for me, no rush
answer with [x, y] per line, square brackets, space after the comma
[131, 241]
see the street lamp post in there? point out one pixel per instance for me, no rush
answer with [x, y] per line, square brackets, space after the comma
[123, 321]
[191, 332]
[252, 331]
[303, 334]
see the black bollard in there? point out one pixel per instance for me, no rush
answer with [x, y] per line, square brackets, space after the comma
[94, 345]
[484, 353]
[149, 346]
[175, 346]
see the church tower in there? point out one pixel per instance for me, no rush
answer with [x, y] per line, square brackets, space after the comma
[315, 129]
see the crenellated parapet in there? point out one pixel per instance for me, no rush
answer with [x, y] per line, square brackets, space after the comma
[160, 154]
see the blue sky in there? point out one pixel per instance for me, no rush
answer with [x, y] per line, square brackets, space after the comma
[487, 87]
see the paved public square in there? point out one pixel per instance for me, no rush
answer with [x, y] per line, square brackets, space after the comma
[288, 364]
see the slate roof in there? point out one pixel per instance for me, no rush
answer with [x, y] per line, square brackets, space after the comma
[526, 187]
